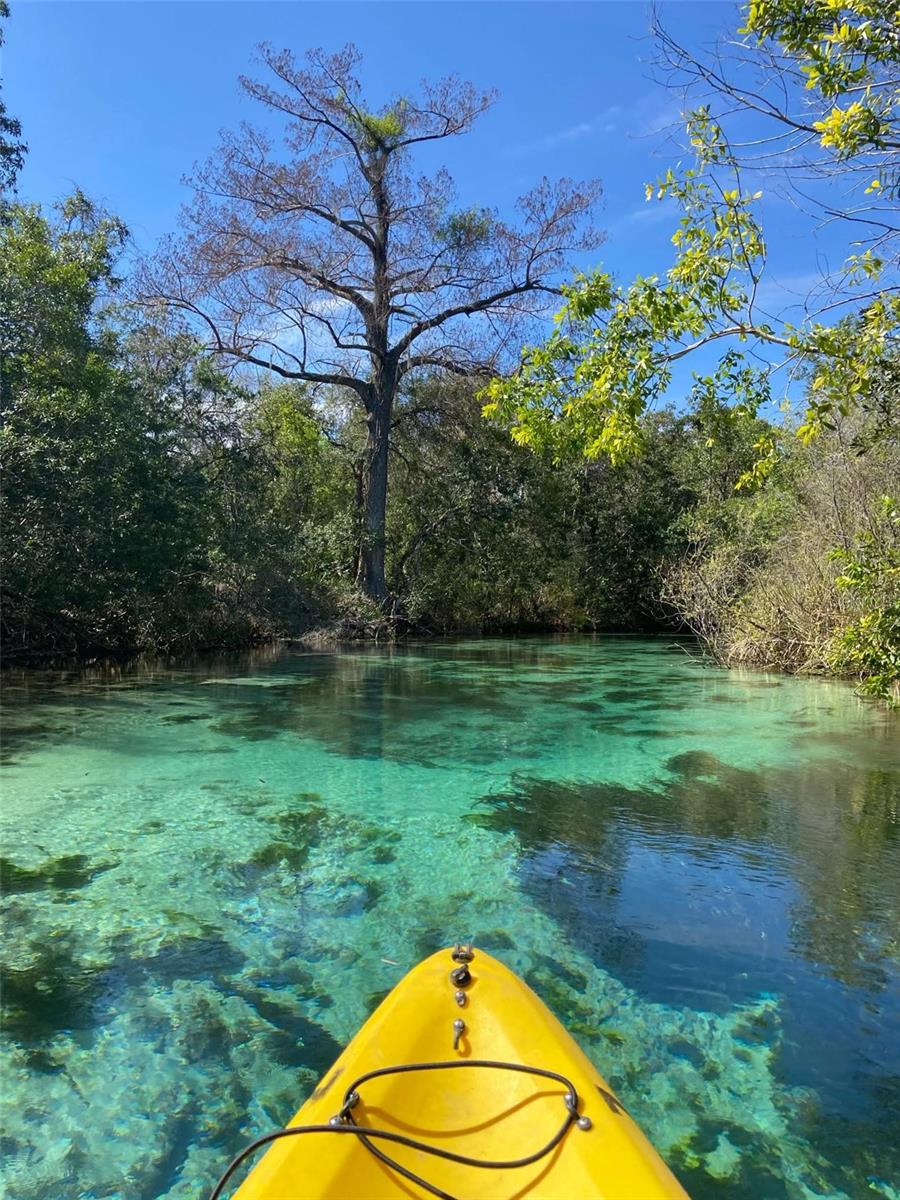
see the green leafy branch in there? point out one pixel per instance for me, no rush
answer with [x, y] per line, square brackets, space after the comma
[611, 353]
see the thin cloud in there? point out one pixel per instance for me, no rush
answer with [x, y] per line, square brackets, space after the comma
[603, 123]
[328, 306]
[647, 115]
[651, 212]
[655, 118]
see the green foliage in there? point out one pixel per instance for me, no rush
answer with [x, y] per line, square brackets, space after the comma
[382, 130]
[305, 491]
[142, 505]
[847, 51]
[609, 359]
[466, 230]
[474, 524]
[487, 535]
[51, 278]
[870, 646]
[153, 501]
[758, 576]
[610, 356]
[73, 441]
[12, 148]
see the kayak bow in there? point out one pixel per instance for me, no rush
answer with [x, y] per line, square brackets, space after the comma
[461, 1084]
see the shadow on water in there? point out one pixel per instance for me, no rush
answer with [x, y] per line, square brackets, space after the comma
[360, 707]
[388, 704]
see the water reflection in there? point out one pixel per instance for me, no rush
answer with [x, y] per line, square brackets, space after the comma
[717, 884]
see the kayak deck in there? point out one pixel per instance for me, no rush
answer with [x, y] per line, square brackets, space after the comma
[492, 1113]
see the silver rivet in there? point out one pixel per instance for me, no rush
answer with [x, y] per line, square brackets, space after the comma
[336, 1120]
[460, 998]
[584, 1122]
[352, 1100]
[568, 1099]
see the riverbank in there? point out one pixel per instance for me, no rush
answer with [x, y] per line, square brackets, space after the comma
[363, 622]
[380, 630]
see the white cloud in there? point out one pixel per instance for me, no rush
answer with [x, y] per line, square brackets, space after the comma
[651, 212]
[652, 117]
[603, 122]
[646, 115]
[328, 305]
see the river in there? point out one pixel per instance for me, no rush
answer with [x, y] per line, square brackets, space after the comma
[206, 868]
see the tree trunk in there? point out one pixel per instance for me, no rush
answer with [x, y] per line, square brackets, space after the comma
[380, 405]
[375, 484]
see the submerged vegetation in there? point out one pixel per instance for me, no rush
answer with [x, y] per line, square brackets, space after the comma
[697, 871]
[179, 475]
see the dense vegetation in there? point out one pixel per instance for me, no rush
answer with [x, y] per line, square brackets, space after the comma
[164, 493]
[806, 574]
[152, 500]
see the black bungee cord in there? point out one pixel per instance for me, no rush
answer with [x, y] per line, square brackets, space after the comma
[344, 1123]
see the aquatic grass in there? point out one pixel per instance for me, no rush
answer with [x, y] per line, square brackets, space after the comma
[68, 872]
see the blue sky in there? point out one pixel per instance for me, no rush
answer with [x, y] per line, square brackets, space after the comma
[122, 98]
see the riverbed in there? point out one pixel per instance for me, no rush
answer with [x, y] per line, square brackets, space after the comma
[214, 872]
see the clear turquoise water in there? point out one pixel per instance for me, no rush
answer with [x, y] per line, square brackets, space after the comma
[207, 868]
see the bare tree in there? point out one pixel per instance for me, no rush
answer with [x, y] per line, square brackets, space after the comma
[332, 263]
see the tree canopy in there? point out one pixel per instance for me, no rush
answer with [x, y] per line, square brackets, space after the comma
[12, 148]
[331, 263]
[827, 74]
[200, 458]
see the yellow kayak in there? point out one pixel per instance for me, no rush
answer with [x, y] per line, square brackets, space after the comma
[461, 1084]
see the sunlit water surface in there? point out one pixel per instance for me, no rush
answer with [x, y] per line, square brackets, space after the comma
[206, 869]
